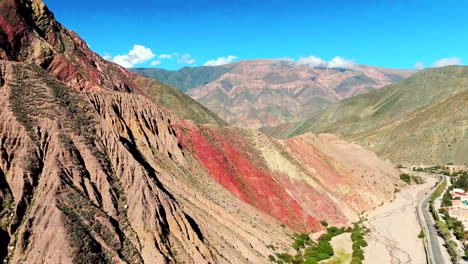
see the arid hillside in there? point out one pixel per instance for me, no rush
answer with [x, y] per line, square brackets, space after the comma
[97, 174]
[30, 34]
[420, 120]
[268, 92]
[159, 185]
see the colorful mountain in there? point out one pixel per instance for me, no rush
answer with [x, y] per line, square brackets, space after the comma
[30, 34]
[267, 92]
[423, 119]
[94, 171]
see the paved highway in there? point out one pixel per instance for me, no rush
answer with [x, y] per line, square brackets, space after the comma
[433, 247]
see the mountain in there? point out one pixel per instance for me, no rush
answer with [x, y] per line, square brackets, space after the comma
[103, 175]
[423, 119]
[30, 34]
[109, 176]
[186, 78]
[267, 92]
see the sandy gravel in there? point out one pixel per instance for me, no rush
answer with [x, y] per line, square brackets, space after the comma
[395, 227]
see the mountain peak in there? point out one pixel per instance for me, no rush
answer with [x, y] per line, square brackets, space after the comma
[32, 35]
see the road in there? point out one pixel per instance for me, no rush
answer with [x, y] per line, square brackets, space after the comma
[460, 249]
[433, 247]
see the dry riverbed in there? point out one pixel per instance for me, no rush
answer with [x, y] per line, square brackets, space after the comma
[395, 227]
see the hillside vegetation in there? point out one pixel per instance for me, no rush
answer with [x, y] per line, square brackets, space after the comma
[186, 78]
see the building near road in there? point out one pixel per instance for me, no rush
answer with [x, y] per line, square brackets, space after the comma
[457, 168]
[459, 194]
[459, 208]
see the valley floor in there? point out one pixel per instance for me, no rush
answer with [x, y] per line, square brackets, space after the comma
[395, 227]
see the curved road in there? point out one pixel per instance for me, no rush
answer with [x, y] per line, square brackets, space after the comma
[431, 243]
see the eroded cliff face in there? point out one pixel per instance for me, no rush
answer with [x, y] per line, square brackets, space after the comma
[110, 176]
[89, 178]
[299, 181]
[70, 177]
[30, 34]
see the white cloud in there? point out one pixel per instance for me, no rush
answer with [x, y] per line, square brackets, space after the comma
[185, 59]
[107, 56]
[220, 61]
[447, 61]
[286, 60]
[165, 56]
[419, 65]
[312, 61]
[156, 62]
[339, 62]
[138, 54]
[316, 62]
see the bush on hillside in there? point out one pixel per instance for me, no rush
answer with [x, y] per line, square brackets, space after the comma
[406, 178]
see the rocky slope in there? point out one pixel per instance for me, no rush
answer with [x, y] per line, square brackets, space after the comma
[105, 175]
[78, 187]
[256, 93]
[420, 120]
[108, 176]
[30, 34]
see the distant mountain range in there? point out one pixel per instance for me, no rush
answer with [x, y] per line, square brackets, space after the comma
[423, 119]
[268, 92]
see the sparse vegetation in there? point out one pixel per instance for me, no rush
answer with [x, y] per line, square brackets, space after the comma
[411, 178]
[308, 251]
[448, 225]
[446, 199]
[417, 179]
[27, 99]
[421, 234]
[83, 228]
[460, 180]
[406, 178]
[357, 236]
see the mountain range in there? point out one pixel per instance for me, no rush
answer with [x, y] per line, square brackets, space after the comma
[421, 120]
[269, 92]
[99, 165]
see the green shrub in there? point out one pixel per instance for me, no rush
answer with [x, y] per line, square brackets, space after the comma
[301, 241]
[421, 234]
[361, 243]
[357, 236]
[309, 252]
[418, 179]
[285, 257]
[406, 178]
[356, 260]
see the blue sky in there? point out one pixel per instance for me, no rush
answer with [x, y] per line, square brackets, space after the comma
[394, 34]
